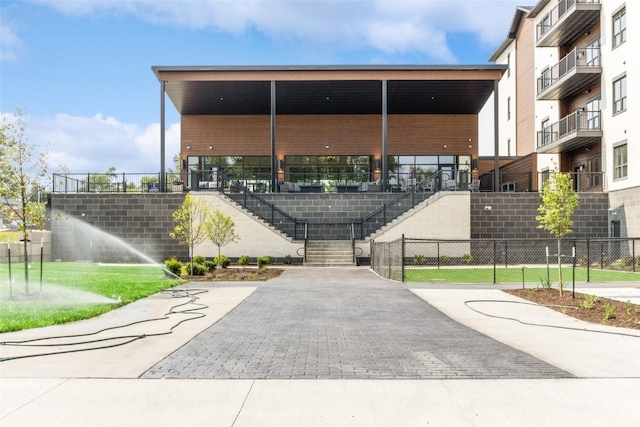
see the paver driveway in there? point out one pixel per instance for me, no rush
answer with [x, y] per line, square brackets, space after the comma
[343, 324]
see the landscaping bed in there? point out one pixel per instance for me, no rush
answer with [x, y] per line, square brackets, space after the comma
[584, 307]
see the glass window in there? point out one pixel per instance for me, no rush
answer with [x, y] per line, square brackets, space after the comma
[593, 114]
[508, 65]
[509, 108]
[593, 53]
[619, 28]
[620, 161]
[620, 95]
[593, 171]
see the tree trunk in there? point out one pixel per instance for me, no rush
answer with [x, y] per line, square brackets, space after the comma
[191, 258]
[560, 265]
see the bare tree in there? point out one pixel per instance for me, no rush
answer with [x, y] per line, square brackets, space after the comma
[22, 179]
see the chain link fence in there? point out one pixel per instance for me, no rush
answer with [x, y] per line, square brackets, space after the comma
[507, 260]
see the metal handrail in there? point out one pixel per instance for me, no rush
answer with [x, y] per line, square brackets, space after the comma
[576, 121]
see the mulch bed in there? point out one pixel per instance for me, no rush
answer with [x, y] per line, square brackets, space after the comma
[247, 274]
[600, 310]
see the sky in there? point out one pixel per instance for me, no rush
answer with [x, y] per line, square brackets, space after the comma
[80, 70]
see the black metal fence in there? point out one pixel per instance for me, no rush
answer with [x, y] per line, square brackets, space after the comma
[507, 260]
[115, 182]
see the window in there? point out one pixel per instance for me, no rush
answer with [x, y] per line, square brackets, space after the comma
[544, 177]
[509, 108]
[593, 114]
[620, 95]
[593, 53]
[620, 161]
[508, 65]
[619, 28]
[546, 132]
[593, 172]
[508, 146]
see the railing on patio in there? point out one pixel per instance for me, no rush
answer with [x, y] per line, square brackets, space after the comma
[507, 260]
[584, 56]
[580, 120]
[114, 182]
[552, 18]
[583, 181]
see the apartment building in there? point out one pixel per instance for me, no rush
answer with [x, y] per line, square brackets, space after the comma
[564, 99]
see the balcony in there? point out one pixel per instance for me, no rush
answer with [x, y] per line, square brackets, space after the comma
[566, 22]
[575, 73]
[579, 129]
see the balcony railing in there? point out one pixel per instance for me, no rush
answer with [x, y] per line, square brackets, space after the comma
[114, 182]
[583, 181]
[581, 120]
[548, 21]
[578, 57]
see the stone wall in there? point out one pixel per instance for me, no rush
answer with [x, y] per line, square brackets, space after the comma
[513, 216]
[143, 221]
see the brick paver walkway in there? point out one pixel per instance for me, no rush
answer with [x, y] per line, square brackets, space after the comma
[343, 324]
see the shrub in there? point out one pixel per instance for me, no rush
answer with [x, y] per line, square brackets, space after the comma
[444, 260]
[288, 260]
[222, 261]
[467, 258]
[199, 259]
[419, 260]
[198, 269]
[210, 265]
[609, 312]
[263, 261]
[243, 260]
[588, 302]
[174, 266]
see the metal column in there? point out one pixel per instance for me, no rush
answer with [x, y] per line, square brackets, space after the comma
[383, 170]
[163, 179]
[274, 160]
[496, 138]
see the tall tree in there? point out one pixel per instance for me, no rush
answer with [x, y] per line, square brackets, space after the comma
[221, 230]
[22, 178]
[190, 224]
[558, 203]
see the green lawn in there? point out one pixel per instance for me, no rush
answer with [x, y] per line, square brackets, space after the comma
[70, 291]
[514, 275]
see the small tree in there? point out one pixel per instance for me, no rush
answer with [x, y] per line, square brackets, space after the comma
[22, 173]
[221, 230]
[190, 224]
[558, 203]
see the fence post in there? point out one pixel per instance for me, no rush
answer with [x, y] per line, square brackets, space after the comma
[495, 244]
[438, 254]
[402, 259]
[633, 255]
[588, 261]
[601, 256]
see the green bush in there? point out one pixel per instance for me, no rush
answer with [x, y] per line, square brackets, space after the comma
[288, 260]
[211, 266]
[419, 260]
[222, 261]
[444, 260]
[265, 260]
[467, 258]
[244, 260]
[198, 269]
[174, 266]
[199, 259]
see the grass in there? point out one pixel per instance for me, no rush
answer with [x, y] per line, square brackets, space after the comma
[128, 283]
[514, 275]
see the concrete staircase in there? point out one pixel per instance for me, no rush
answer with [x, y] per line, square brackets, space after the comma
[329, 253]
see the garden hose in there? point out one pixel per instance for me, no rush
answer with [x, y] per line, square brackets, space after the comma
[174, 293]
[466, 303]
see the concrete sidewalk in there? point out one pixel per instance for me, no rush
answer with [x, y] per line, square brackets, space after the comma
[102, 388]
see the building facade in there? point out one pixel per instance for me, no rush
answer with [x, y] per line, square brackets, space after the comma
[574, 75]
[330, 128]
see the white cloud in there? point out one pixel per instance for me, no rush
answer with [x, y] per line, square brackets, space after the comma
[10, 43]
[94, 144]
[391, 27]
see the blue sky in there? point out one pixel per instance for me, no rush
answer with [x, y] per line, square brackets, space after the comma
[80, 70]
